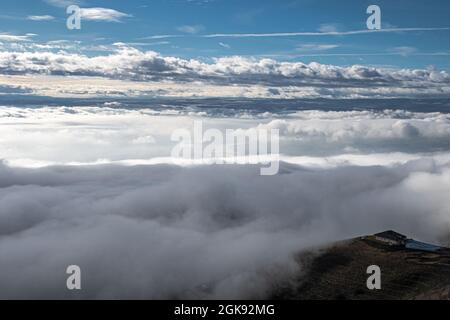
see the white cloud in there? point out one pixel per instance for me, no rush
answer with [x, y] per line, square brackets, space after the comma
[63, 135]
[326, 28]
[103, 14]
[224, 45]
[41, 18]
[191, 29]
[315, 47]
[403, 51]
[63, 3]
[291, 79]
[93, 14]
[13, 37]
[161, 36]
[326, 32]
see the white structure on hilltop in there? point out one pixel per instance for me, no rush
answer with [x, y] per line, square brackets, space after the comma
[392, 238]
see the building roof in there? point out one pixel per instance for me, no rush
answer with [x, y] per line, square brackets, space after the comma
[417, 245]
[391, 235]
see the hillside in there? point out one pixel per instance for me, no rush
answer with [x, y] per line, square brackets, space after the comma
[339, 272]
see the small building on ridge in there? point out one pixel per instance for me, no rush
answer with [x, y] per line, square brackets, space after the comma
[392, 238]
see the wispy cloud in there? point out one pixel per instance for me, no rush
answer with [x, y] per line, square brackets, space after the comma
[17, 38]
[391, 52]
[332, 31]
[315, 47]
[140, 44]
[224, 45]
[191, 29]
[320, 33]
[103, 14]
[162, 36]
[41, 18]
[403, 51]
[328, 28]
[63, 3]
[92, 14]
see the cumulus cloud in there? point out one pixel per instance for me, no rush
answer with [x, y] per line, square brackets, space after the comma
[294, 79]
[349, 126]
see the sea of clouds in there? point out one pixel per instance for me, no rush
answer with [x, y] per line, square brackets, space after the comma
[96, 187]
[89, 135]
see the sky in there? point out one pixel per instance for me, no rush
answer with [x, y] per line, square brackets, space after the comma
[190, 29]
[287, 49]
[87, 119]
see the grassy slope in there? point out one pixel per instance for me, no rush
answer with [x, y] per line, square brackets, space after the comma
[340, 273]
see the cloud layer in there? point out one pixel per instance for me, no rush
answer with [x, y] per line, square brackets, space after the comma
[282, 79]
[141, 227]
[109, 133]
[209, 232]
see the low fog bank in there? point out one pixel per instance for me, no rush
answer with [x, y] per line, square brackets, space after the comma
[67, 135]
[198, 232]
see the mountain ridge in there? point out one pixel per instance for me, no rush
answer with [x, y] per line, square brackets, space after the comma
[339, 272]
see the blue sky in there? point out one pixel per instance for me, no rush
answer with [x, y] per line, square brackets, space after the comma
[189, 21]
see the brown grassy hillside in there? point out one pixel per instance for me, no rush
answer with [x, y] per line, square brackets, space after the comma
[340, 273]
